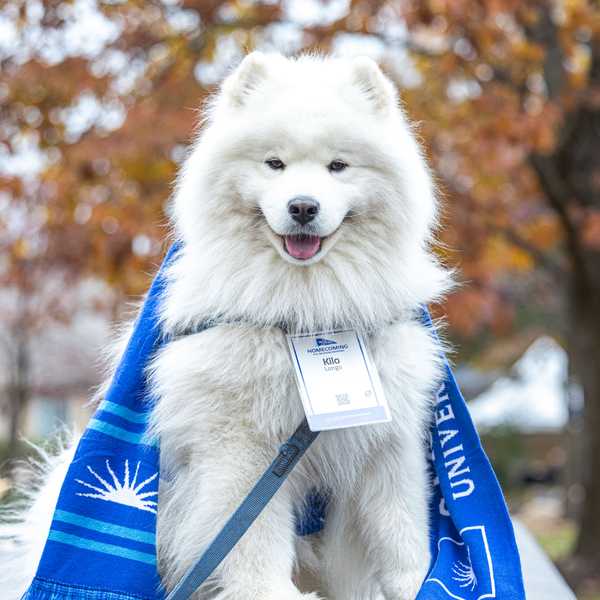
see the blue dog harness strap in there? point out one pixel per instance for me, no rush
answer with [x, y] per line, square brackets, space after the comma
[254, 503]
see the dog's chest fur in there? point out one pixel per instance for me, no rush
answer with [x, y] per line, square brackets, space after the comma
[231, 384]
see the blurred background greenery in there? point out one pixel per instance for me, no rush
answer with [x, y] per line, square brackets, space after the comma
[98, 102]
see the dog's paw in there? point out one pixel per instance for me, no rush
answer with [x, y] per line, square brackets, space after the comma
[405, 585]
[275, 592]
[294, 595]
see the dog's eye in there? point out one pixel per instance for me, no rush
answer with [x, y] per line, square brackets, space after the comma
[335, 166]
[275, 164]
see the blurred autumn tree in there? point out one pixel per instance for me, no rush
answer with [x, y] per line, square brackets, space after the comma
[98, 101]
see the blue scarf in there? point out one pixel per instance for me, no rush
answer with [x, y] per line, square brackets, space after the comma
[102, 546]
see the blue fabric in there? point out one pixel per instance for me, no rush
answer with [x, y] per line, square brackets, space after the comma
[101, 545]
[472, 540]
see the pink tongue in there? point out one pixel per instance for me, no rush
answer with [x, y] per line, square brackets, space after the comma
[302, 246]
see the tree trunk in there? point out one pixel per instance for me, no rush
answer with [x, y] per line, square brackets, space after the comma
[570, 179]
[577, 163]
[580, 160]
[584, 345]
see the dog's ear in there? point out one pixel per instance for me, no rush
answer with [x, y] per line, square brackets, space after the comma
[245, 78]
[374, 85]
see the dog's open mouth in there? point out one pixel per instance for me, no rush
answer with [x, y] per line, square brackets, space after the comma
[302, 246]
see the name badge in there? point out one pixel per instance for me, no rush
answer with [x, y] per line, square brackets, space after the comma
[339, 385]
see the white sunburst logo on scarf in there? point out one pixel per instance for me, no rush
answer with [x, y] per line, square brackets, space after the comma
[128, 492]
[464, 574]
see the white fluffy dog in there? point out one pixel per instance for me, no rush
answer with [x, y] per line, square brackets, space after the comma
[304, 205]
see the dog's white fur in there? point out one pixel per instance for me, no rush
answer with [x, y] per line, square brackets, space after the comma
[226, 397]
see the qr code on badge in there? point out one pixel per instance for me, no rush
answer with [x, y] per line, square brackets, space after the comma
[342, 399]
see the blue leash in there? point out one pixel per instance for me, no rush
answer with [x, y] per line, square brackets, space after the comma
[247, 512]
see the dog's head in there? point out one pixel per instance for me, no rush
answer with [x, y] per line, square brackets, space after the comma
[306, 180]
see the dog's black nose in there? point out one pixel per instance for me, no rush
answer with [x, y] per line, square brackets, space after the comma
[303, 209]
